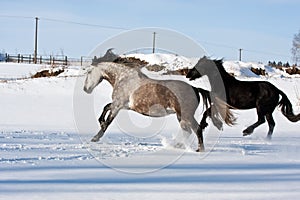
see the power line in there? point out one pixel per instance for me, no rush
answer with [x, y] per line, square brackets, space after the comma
[67, 22]
[17, 17]
[126, 28]
[266, 53]
[85, 24]
[238, 48]
[218, 44]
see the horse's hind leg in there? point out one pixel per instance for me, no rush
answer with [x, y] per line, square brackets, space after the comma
[203, 123]
[216, 122]
[188, 126]
[199, 132]
[271, 123]
[185, 126]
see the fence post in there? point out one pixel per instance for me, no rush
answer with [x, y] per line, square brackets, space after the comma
[22, 59]
[29, 59]
[41, 59]
[66, 60]
[81, 60]
[18, 58]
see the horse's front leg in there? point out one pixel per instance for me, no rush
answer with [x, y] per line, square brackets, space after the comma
[105, 123]
[104, 112]
[102, 123]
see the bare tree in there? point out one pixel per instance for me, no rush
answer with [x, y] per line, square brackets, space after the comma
[296, 48]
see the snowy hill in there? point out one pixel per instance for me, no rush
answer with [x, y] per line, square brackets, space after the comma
[43, 155]
[238, 68]
[170, 62]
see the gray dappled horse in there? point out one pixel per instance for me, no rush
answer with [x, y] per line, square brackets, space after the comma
[133, 90]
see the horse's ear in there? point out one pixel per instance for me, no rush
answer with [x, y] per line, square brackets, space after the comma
[219, 61]
[202, 58]
[206, 58]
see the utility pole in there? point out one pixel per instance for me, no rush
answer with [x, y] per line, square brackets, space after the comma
[35, 41]
[240, 54]
[153, 48]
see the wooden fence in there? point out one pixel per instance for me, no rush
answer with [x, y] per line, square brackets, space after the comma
[51, 60]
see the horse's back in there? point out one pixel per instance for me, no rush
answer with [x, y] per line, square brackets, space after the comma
[160, 98]
[183, 90]
[247, 94]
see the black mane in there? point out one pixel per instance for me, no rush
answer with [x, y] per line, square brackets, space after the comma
[223, 72]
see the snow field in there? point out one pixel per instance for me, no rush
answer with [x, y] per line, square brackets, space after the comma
[44, 156]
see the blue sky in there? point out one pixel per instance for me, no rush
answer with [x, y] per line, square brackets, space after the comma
[263, 28]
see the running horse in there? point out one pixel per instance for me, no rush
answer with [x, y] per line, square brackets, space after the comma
[133, 90]
[261, 95]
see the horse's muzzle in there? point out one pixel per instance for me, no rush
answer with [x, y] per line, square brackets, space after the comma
[87, 90]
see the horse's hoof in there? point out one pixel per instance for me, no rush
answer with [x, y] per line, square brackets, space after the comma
[200, 150]
[95, 139]
[247, 131]
[179, 145]
[269, 137]
[220, 128]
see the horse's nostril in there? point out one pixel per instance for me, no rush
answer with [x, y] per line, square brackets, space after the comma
[86, 90]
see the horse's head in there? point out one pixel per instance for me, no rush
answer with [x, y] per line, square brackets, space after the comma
[94, 76]
[203, 67]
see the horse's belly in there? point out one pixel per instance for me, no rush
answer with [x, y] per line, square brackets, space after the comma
[243, 104]
[151, 103]
[153, 109]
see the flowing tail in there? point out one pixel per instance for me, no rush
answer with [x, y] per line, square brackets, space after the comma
[220, 110]
[287, 109]
[205, 96]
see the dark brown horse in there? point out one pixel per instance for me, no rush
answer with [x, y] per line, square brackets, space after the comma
[261, 95]
[133, 90]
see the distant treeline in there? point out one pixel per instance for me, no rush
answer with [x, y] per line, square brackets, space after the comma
[280, 65]
[290, 69]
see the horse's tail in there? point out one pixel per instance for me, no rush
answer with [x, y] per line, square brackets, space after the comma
[220, 110]
[205, 96]
[286, 108]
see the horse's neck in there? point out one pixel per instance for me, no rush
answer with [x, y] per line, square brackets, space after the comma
[226, 83]
[225, 76]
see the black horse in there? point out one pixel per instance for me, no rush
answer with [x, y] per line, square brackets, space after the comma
[261, 95]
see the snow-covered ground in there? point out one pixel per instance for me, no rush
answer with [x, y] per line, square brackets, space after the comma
[44, 156]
